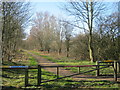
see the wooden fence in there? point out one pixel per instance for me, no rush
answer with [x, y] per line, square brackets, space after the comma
[39, 78]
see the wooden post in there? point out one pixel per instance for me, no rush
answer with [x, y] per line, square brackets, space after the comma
[39, 75]
[115, 70]
[97, 67]
[118, 66]
[78, 69]
[57, 72]
[26, 77]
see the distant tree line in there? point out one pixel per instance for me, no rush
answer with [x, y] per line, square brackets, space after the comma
[100, 39]
[51, 34]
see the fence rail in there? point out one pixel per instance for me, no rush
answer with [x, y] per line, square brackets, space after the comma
[36, 67]
[39, 78]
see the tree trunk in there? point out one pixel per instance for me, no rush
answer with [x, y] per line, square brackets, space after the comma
[67, 52]
[119, 30]
[59, 51]
[68, 48]
[90, 26]
[3, 32]
[60, 47]
[90, 48]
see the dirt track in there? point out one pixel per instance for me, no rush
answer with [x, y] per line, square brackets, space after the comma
[63, 72]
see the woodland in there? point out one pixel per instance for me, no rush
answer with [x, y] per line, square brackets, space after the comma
[91, 34]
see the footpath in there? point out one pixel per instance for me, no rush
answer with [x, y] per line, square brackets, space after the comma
[63, 72]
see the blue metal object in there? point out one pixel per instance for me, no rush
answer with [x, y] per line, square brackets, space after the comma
[18, 66]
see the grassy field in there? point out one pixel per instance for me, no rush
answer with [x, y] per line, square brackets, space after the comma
[14, 79]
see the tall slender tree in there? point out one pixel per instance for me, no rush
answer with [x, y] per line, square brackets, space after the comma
[85, 12]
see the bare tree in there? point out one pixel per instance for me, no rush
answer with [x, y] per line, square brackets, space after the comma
[119, 28]
[107, 41]
[85, 12]
[59, 33]
[43, 29]
[1, 32]
[15, 17]
[68, 33]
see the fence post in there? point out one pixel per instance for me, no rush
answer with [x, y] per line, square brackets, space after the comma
[97, 67]
[39, 75]
[78, 69]
[26, 77]
[57, 72]
[118, 66]
[115, 70]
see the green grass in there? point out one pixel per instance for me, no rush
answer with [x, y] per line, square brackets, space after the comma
[96, 84]
[32, 61]
[15, 78]
[67, 61]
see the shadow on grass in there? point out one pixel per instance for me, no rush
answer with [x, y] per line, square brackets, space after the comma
[60, 84]
[14, 71]
[79, 85]
[98, 77]
[10, 88]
